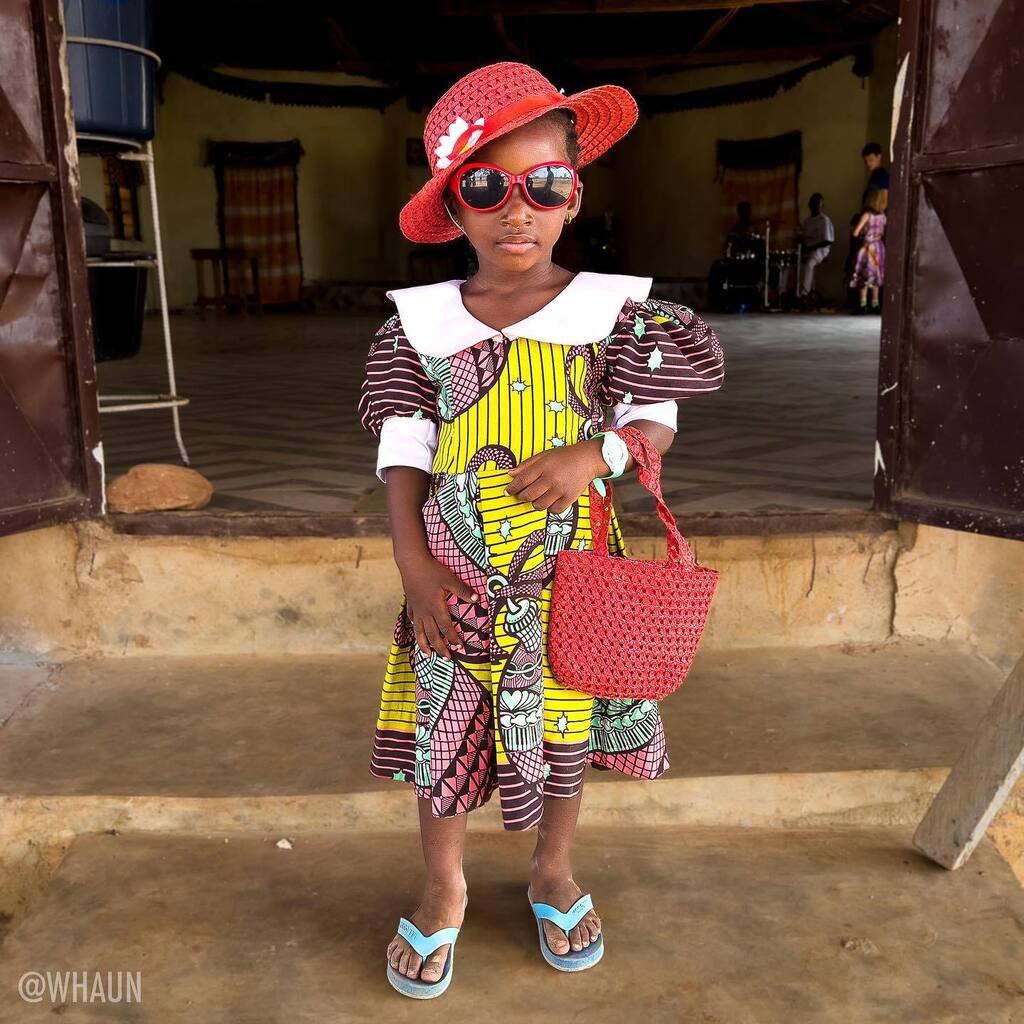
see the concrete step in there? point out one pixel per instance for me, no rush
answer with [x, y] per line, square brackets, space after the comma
[760, 737]
[718, 926]
[247, 725]
[757, 738]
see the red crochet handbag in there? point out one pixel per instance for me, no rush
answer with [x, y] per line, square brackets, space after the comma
[628, 627]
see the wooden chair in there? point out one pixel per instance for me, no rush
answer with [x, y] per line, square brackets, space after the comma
[221, 260]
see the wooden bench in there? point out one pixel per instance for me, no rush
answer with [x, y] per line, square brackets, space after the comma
[224, 295]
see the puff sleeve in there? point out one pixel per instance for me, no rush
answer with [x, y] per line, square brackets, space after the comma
[658, 353]
[398, 402]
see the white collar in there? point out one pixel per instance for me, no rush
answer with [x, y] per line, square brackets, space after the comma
[436, 322]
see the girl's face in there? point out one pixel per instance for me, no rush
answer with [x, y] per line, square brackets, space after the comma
[517, 236]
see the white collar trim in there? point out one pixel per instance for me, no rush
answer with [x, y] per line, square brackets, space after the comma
[436, 322]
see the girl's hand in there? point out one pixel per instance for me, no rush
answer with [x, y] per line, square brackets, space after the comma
[555, 478]
[427, 582]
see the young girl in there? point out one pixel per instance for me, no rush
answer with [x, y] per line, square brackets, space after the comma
[869, 269]
[487, 397]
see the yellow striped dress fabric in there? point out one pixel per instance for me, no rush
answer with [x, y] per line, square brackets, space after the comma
[494, 718]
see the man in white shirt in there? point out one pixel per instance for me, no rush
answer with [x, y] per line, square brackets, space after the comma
[817, 235]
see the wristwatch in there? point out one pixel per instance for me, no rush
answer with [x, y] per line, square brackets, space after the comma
[614, 452]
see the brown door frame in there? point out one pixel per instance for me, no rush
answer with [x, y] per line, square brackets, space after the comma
[893, 361]
[915, 51]
[61, 176]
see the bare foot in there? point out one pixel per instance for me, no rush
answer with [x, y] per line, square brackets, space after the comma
[562, 893]
[443, 906]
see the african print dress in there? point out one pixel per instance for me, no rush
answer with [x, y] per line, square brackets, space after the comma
[493, 717]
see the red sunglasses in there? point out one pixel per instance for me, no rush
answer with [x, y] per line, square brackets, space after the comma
[485, 187]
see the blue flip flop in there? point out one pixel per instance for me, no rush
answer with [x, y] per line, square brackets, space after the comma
[575, 960]
[424, 945]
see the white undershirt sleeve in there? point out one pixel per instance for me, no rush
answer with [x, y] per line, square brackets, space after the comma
[406, 441]
[662, 412]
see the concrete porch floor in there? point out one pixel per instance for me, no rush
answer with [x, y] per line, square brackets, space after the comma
[711, 926]
[141, 800]
[272, 416]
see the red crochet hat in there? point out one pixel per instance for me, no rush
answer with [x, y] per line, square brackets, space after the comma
[488, 103]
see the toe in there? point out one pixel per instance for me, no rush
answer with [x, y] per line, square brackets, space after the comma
[415, 961]
[575, 938]
[434, 966]
[557, 942]
[403, 961]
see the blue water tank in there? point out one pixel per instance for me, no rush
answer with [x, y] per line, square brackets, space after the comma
[111, 85]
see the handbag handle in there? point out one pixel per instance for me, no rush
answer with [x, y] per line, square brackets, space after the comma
[648, 471]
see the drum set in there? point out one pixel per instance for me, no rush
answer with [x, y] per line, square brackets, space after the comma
[753, 276]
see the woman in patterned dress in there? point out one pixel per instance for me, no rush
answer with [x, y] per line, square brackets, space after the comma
[486, 449]
[869, 269]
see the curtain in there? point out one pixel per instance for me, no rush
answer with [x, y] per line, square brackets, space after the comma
[258, 212]
[765, 173]
[772, 197]
[121, 179]
[260, 217]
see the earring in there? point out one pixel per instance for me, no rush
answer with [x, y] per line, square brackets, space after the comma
[452, 219]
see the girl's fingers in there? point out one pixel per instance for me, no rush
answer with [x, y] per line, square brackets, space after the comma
[421, 637]
[443, 621]
[547, 500]
[524, 479]
[436, 640]
[560, 506]
[534, 490]
[429, 637]
[461, 589]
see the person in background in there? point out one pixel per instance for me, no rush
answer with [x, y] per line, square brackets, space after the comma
[817, 234]
[855, 243]
[879, 176]
[869, 269]
[740, 233]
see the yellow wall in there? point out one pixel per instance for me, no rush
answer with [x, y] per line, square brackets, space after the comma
[672, 222]
[353, 178]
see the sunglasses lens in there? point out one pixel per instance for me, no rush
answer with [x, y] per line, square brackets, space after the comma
[483, 187]
[550, 186]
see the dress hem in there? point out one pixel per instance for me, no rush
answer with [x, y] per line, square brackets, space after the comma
[486, 797]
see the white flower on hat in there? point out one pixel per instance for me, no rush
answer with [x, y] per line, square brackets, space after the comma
[447, 141]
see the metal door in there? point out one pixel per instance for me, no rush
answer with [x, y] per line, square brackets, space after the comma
[951, 383]
[50, 453]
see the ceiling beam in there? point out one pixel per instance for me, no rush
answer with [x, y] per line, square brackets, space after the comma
[711, 57]
[827, 28]
[341, 43]
[656, 63]
[716, 27]
[533, 8]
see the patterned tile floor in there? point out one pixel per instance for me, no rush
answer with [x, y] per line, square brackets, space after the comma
[272, 418]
